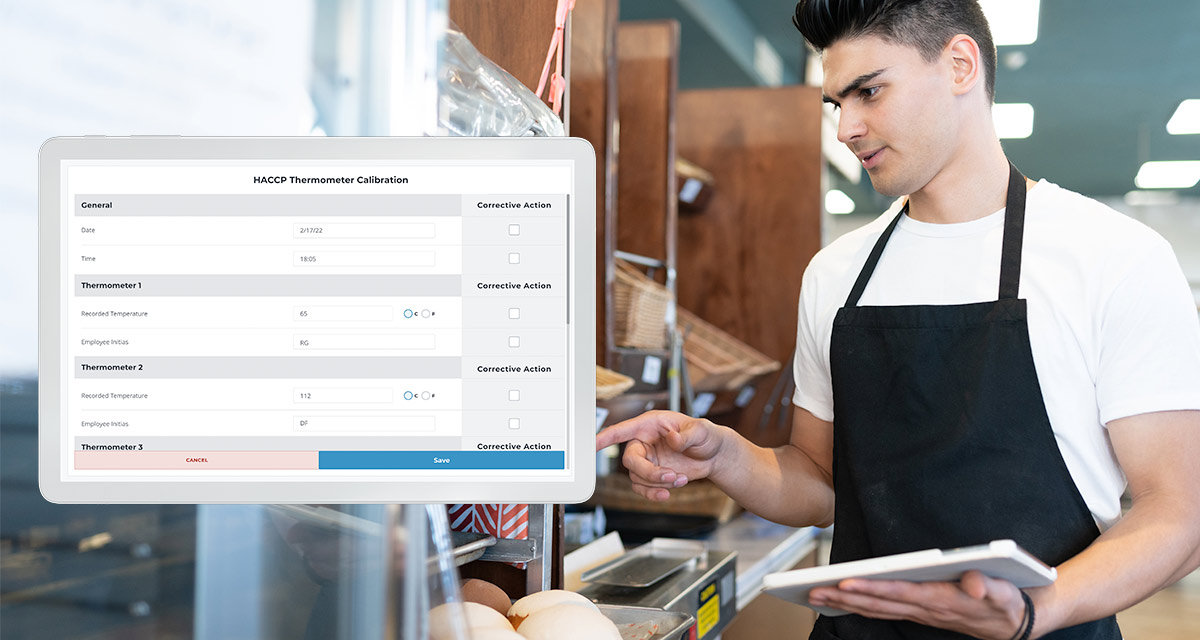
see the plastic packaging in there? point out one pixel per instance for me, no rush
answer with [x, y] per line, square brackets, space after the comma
[478, 98]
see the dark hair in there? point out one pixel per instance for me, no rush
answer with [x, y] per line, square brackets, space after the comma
[926, 25]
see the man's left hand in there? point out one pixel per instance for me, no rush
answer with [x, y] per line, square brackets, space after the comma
[977, 605]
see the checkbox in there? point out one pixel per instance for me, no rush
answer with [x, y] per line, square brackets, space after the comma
[514, 229]
[514, 313]
[514, 395]
[514, 258]
[514, 341]
[514, 423]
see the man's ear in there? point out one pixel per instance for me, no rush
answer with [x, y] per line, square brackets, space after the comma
[964, 62]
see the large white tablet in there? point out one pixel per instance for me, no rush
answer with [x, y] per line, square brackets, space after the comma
[1002, 559]
[317, 320]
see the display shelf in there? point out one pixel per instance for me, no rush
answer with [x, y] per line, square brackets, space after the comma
[699, 498]
[725, 404]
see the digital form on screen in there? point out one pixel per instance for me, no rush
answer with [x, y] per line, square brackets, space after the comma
[322, 328]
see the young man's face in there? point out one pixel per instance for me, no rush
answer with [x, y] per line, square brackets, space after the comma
[897, 112]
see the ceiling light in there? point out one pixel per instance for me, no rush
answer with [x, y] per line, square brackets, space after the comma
[767, 62]
[1151, 198]
[837, 202]
[1168, 175]
[1186, 119]
[1014, 60]
[1013, 22]
[1013, 120]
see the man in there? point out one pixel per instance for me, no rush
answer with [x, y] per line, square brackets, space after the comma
[991, 358]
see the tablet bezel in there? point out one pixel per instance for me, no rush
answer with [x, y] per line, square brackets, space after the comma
[1003, 559]
[581, 453]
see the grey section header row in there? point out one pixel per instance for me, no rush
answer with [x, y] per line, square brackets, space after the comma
[270, 367]
[269, 205]
[191, 285]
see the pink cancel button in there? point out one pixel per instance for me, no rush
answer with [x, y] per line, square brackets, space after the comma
[232, 460]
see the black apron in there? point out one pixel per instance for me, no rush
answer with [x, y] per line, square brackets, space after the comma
[941, 438]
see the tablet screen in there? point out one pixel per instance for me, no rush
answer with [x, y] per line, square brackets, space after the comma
[317, 320]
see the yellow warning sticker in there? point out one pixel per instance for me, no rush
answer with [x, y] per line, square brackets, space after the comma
[708, 616]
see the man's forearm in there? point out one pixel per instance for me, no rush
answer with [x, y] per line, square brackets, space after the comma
[781, 484]
[1154, 545]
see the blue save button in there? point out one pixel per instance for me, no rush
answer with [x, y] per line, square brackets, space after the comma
[441, 460]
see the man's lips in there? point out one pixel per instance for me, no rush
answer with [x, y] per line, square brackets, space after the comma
[871, 158]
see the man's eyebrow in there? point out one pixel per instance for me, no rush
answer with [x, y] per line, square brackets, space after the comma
[855, 84]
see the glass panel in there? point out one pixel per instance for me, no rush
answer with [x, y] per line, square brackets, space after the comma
[208, 572]
[214, 571]
[95, 571]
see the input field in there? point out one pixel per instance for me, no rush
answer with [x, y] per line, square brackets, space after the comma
[342, 395]
[346, 230]
[364, 259]
[365, 423]
[313, 313]
[374, 341]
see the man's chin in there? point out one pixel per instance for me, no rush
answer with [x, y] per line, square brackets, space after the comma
[886, 187]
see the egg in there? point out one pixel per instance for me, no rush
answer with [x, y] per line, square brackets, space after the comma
[535, 602]
[473, 616]
[486, 593]
[495, 633]
[569, 619]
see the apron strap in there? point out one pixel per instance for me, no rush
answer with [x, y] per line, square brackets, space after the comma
[1010, 252]
[1014, 232]
[864, 276]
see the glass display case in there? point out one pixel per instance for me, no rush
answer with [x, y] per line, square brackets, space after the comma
[226, 571]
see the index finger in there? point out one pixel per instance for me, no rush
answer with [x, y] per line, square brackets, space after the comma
[644, 427]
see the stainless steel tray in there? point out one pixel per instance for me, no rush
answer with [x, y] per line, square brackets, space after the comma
[647, 564]
[631, 622]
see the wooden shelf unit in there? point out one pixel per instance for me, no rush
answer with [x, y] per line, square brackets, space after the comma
[742, 259]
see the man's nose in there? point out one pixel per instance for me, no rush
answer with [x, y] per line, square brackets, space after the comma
[850, 127]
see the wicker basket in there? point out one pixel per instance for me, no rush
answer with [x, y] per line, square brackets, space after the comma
[696, 498]
[717, 360]
[610, 384]
[639, 309]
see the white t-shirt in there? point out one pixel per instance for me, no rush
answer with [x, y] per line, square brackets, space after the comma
[1112, 322]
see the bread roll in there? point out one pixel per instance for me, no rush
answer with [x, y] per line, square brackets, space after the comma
[568, 620]
[535, 602]
[473, 615]
[486, 593]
